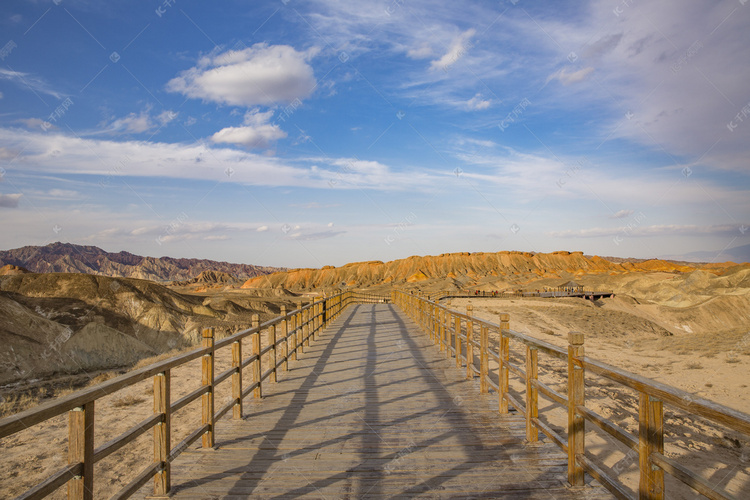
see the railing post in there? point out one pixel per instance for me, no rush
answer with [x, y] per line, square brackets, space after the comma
[436, 325]
[325, 311]
[285, 334]
[483, 359]
[576, 423]
[469, 340]
[445, 334]
[316, 331]
[457, 332]
[532, 394]
[272, 343]
[81, 450]
[258, 392]
[650, 440]
[237, 379]
[300, 327]
[294, 336]
[428, 322]
[162, 433]
[207, 400]
[502, 369]
[306, 326]
[311, 319]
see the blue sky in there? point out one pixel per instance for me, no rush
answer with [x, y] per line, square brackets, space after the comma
[308, 133]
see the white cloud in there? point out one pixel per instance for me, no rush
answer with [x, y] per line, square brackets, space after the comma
[29, 82]
[10, 200]
[63, 193]
[256, 132]
[527, 176]
[261, 74]
[330, 224]
[166, 116]
[567, 78]
[62, 154]
[36, 123]
[678, 69]
[315, 236]
[457, 50]
[621, 214]
[477, 103]
[422, 52]
[262, 229]
[137, 123]
[654, 230]
[131, 124]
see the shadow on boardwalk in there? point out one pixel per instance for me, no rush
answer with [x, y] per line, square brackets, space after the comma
[372, 409]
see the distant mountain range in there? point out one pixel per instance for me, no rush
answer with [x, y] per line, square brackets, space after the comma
[69, 258]
[736, 254]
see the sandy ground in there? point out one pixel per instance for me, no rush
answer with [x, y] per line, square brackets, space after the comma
[617, 332]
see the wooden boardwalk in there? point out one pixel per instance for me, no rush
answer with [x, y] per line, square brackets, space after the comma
[371, 409]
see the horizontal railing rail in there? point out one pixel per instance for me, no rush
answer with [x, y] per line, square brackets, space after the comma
[285, 336]
[454, 333]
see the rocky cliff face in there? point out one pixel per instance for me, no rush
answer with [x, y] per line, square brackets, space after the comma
[68, 258]
[457, 270]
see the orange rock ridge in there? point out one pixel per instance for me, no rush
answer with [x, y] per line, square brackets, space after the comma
[466, 266]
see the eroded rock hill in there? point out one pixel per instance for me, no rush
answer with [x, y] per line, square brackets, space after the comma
[458, 270]
[68, 323]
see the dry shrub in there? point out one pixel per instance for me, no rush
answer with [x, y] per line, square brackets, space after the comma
[103, 377]
[127, 401]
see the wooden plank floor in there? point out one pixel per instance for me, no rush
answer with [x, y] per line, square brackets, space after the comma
[373, 410]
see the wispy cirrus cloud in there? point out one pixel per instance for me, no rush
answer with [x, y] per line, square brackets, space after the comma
[654, 230]
[30, 82]
[458, 48]
[64, 154]
[567, 77]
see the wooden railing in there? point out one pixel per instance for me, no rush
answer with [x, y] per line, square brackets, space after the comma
[478, 294]
[287, 335]
[455, 334]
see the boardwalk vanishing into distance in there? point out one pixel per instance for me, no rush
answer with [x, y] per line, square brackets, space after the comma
[363, 396]
[370, 410]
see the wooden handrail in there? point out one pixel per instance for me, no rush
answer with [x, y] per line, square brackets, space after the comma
[431, 316]
[306, 324]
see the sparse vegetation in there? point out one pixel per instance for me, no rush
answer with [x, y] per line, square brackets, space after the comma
[129, 400]
[694, 365]
[103, 377]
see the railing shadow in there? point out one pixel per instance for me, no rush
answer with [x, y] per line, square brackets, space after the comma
[385, 338]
